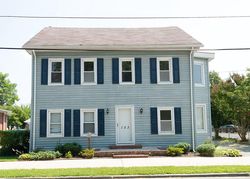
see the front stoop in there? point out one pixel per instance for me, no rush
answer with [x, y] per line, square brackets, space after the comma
[136, 146]
[131, 156]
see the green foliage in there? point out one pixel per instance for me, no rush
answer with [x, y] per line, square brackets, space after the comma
[222, 152]
[233, 153]
[8, 92]
[68, 155]
[74, 148]
[87, 153]
[14, 142]
[174, 151]
[42, 155]
[227, 141]
[206, 149]
[184, 146]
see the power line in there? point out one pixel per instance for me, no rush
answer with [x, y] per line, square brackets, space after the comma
[124, 17]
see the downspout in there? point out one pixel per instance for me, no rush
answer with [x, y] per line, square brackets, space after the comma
[192, 99]
[34, 102]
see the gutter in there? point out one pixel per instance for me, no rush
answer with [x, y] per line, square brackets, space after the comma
[192, 99]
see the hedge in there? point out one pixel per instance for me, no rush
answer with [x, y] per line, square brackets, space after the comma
[14, 142]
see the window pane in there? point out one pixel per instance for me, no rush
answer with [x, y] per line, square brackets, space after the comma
[88, 66]
[88, 116]
[200, 118]
[126, 66]
[164, 65]
[89, 76]
[164, 76]
[166, 115]
[197, 74]
[56, 77]
[55, 128]
[56, 66]
[55, 117]
[126, 76]
[166, 126]
[88, 127]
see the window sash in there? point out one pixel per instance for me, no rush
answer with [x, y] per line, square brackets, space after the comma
[84, 122]
[199, 76]
[201, 119]
[163, 125]
[168, 76]
[55, 128]
[53, 78]
[88, 77]
[127, 76]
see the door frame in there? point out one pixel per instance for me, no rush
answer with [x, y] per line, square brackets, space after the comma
[131, 107]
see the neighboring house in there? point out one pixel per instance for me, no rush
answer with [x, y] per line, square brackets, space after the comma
[4, 119]
[126, 86]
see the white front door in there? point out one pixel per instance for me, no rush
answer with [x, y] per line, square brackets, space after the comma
[125, 124]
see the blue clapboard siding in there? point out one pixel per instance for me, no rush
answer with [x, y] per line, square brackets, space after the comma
[108, 95]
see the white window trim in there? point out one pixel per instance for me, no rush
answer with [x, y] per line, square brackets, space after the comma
[204, 107]
[159, 109]
[49, 71]
[62, 122]
[202, 84]
[169, 59]
[132, 68]
[95, 121]
[82, 71]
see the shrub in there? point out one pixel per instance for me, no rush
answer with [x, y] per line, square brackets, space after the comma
[14, 142]
[68, 155]
[184, 146]
[233, 153]
[74, 148]
[222, 152]
[42, 155]
[174, 151]
[87, 153]
[206, 149]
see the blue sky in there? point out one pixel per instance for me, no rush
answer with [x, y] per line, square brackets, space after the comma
[213, 33]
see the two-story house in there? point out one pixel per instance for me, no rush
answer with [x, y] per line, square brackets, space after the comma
[125, 86]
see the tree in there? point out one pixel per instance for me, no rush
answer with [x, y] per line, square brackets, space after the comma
[8, 92]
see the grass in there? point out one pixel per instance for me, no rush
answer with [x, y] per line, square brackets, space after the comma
[122, 171]
[8, 158]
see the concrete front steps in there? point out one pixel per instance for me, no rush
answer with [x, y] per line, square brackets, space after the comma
[131, 156]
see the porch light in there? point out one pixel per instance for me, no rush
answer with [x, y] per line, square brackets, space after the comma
[141, 110]
[107, 110]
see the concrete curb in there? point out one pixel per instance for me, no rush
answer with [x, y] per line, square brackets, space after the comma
[144, 176]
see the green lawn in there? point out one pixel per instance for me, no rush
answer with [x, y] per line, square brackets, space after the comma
[8, 158]
[123, 171]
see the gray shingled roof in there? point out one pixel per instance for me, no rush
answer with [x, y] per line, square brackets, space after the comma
[112, 38]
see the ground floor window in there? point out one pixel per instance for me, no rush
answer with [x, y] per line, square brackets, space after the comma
[201, 119]
[88, 122]
[55, 123]
[166, 120]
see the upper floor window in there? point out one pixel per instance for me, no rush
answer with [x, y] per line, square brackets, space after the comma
[127, 71]
[166, 120]
[89, 71]
[164, 72]
[88, 121]
[55, 123]
[56, 71]
[201, 119]
[199, 77]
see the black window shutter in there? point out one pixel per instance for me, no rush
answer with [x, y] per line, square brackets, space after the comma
[101, 124]
[100, 74]
[44, 71]
[153, 70]
[67, 122]
[154, 122]
[43, 123]
[115, 70]
[76, 122]
[77, 71]
[176, 70]
[67, 71]
[177, 115]
[138, 75]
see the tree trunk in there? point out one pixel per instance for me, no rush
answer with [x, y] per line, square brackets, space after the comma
[242, 133]
[216, 132]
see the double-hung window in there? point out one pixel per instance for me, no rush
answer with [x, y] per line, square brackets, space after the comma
[55, 124]
[164, 70]
[201, 119]
[89, 70]
[56, 71]
[88, 121]
[199, 76]
[166, 120]
[127, 71]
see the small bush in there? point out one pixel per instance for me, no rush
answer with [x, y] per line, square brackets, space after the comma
[233, 153]
[184, 146]
[174, 151]
[74, 148]
[222, 152]
[14, 142]
[206, 149]
[87, 153]
[68, 155]
[42, 155]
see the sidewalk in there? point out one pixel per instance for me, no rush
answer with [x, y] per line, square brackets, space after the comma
[130, 162]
